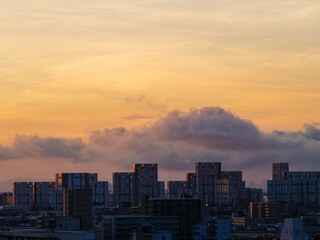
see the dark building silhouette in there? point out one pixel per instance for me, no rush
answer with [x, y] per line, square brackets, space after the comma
[78, 203]
[187, 209]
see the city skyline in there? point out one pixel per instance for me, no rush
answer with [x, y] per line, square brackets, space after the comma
[161, 119]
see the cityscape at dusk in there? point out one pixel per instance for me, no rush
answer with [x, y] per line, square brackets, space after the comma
[159, 120]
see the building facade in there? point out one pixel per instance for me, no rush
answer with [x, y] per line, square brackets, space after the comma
[123, 189]
[187, 209]
[73, 181]
[145, 181]
[215, 186]
[37, 195]
[293, 186]
[176, 188]
[49, 195]
[77, 203]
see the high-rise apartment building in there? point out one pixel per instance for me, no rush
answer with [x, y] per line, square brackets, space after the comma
[6, 199]
[215, 186]
[73, 181]
[207, 174]
[293, 186]
[187, 209]
[49, 195]
[129, 187]
[178, 188]
[266, 212]
[175, 188]
[191, 181]
[22, 194]
[44, 195]
[145, 181]
[228, 185]
[123, 189]
[100, 193]
[278, 169]
[161, 189]
[77, 203]
[38, 195]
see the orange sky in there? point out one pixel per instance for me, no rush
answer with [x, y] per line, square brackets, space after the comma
[68, 67]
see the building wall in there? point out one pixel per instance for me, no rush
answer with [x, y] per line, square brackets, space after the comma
[175, 188]
[27, 195]
[215, 186]
[123, 188]
[177, 207]
[72, 181]
[100, 192]
[145, 181]
[78, 203]
[6, 199]
[161, 189]
[122, 227]
[298, 186]
[207, 174]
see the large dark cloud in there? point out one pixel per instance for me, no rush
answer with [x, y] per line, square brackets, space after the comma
[179, 140]
[35, 147]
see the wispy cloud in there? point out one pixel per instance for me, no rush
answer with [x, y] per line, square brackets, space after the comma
[143, 100]
[135, 117]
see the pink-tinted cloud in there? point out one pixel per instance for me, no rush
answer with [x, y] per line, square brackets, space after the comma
[179, 140]
[135, 117]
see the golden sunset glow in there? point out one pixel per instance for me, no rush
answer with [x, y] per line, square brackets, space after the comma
[68, 67]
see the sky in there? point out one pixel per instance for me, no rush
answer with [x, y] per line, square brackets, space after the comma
[75, 72]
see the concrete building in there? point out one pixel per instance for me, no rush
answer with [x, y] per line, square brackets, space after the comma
[278, 169]
[146, 231]
[37, 234]
[212, 228]
[215, 186]
[129, 187]
[222, 228]
[187, 209]
[176, 188]
[49, 195]
[192, 181]
[38, 195]
[100, 194]
[207, 174]
[44, 195]
[271, 213]
[23, 194]
[73, 181]
[123, 189]
[253, 194]
[161, 189]
[123, 227]
[6, 199]
[145, 181]
[293, 230]
[77, 203]
[293, 186]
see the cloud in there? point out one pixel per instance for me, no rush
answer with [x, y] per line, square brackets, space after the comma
[35, 147]
[135, 117]
[179, 140]
[142, 99]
